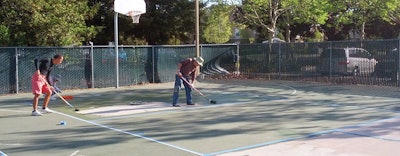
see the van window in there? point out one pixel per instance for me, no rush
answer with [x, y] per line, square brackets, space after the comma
[358, 53]
[336, 53]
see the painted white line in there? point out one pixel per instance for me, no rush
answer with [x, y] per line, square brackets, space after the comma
[74, 154]
[268, 143]
[340, 130]
[173, 110]
[2, 154]
[292, 88]
[15, 144]
[10, 110]
[129, 133]
[371, 136]
[179, 109]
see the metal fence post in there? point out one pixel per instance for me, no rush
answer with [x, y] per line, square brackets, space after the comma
[116, 49]
[237, 65]
[153, 63]
[91, 65]
[330, 60]
[398, 63]
[279, 60]
[16, 71]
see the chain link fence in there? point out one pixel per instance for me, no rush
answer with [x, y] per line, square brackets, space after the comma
[376, 63]
[363, 62]
[95, 66]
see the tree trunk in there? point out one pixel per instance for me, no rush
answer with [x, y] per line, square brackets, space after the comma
[287, 38]
[363, 31]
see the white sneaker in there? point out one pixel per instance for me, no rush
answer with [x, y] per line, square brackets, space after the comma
[36, 113]
[47, 110]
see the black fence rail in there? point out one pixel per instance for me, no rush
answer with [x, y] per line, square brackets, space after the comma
[348, 62]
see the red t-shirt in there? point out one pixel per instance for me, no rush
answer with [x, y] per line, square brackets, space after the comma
[188, 67]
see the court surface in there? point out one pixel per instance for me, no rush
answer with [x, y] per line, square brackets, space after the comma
[251, 118]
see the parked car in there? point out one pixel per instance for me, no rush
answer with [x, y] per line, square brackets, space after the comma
[346, 61]
[388, 65]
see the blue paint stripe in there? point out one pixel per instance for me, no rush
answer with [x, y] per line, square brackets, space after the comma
[376, 137]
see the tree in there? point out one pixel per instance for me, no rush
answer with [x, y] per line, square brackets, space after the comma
[47, 22]
[267, 13]
[167, 22]
[262, 13]
[103, 20]
[393, 13]
[359, 12]
[4, 35]
[311, 12]
[218, 27]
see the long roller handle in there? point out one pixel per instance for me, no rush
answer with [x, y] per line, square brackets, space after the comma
[66, 102]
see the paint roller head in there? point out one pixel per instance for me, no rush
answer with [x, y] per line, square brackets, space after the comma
[67, 97]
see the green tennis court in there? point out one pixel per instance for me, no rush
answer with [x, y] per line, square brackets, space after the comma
[139, 120]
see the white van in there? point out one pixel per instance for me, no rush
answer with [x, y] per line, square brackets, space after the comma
[346, 61]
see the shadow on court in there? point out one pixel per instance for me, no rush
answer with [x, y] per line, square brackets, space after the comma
[249, 115]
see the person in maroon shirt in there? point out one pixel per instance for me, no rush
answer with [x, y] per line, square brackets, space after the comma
[40, 82]
[186, 68]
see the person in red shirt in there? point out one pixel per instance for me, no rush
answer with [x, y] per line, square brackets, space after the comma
[39, 85]
[186, 69]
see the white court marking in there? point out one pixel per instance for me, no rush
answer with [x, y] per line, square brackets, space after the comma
[10, 110]
[15, 144]
[152, 108]
[119, 110]
[75, 153]
[2, 154]
[129, 133]
[190, 108]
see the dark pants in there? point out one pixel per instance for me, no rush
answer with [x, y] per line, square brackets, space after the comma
[177, 87]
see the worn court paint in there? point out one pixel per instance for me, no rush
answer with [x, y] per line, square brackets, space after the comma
[341, 130]
[130, 133]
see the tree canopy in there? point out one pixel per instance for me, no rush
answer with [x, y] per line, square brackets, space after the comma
[319, 14]
[75, 22]
[218, 27]
[47, 22]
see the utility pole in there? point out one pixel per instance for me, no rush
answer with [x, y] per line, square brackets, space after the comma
[197, 29]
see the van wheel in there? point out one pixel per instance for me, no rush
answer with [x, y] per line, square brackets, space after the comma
[356, 72]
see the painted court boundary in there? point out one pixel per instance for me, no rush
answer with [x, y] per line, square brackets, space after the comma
[340, 130]
[294, 91]
[138, 134]
[169, 111]
[129, 133]
[2, 154]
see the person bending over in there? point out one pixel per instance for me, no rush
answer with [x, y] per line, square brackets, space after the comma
[186, 68]
[41, 81]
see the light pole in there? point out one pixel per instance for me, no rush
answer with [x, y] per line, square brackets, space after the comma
[197, 29]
